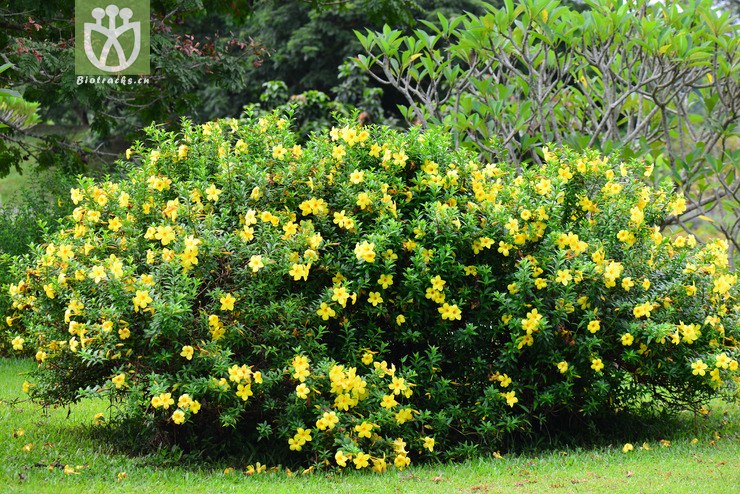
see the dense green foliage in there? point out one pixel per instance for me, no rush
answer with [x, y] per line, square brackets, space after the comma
[24, 222]
[636, 78]
[371, 296]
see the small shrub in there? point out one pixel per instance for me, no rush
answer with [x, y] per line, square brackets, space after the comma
[428, 305]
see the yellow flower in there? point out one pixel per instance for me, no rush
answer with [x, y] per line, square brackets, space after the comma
[338, 153]
[450, 312]
[400, 158]
[723, 284]
[627, 283]
[699, 368]
[302, 391]
[543, 187]
[398, 385]
[178, 416]
[170, 211]
[402, 461]
[279, 152]
[341, 458]
[141, 300]
[716, 376]
[364, 200]
[563, 276]
[594, 326]
[399, 446]
[678, 206]
[256, 263]
[163, 400]
[597, 364]
[562, 367]
[722, 361]
[361, 460]
[379, 465]
[298, 271]
[364, 429]
[627, 448]
[365, 251]
[328, 421]
[367, 357]
[511, 398]
[504, 380]
[165, 234]
[357, 176]
[97, 274]
[642, 310]
[532, 322]
[385, 280]
[244, 391]
[404, 415]
[76, 195]
[119, 380]
[374, 298]
[400, 319]
[302, 436]
[227, 302]
[184, 401]
[268, 217]
[116, 267]
[428, 443]
[187, 352]
[115, 224]
[340, 295]
[437, 283]
[212, 193]
[627, 339]
[388, 401]
[325, 311]
[612, 270]
[17, 343]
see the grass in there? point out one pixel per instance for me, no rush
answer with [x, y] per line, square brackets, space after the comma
[12, 183]
[35, 459]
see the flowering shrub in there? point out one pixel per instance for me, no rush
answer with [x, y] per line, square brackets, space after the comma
[371, 297]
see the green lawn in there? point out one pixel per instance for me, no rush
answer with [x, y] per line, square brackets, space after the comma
[10, 184]
[36, 447]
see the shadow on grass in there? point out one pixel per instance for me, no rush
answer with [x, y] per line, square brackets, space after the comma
[147, 445]
[573, 432]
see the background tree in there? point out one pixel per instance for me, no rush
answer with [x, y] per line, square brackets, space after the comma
[96, 121]
[208, 60]
[633, 78]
